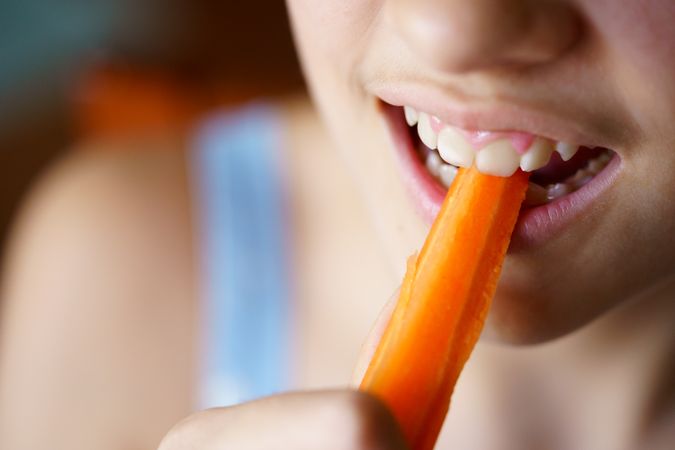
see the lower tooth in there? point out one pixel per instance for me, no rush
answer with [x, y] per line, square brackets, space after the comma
[580, 175]
[536, 195]
[583, 176]
[596, 165]
[447, 174]
[584, 181]
[434, 163]
[427, 135]
[558, 190]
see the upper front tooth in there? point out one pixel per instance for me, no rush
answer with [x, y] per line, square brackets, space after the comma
[537, 156]
[427, 134]
[566, 150]
[498, 158]
[411, 115]
[454, 149]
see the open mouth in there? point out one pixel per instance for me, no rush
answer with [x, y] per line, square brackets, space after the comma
[565, 177]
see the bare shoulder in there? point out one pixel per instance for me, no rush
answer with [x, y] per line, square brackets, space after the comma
[131, 205]
[97, 318]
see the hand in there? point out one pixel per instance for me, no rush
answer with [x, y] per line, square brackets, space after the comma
[334, 420]
[328, 420]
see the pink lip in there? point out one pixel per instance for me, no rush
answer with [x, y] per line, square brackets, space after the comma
[535, 225]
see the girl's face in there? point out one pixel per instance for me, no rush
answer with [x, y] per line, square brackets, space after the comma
[599, 74]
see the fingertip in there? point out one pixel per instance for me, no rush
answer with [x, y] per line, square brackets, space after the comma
[373, 339]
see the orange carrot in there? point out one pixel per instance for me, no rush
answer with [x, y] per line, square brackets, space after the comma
[443, 302]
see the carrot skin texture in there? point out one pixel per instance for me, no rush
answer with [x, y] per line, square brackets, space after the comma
[444, 299]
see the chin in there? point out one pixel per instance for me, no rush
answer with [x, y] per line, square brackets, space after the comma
[526, 312]
[511, 322]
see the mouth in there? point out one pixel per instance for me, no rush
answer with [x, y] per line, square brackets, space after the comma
[566, 178]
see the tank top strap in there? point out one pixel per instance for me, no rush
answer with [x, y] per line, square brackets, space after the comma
[243, 239]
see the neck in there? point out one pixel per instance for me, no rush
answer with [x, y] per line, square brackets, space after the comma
[607, 386]
[617, 372]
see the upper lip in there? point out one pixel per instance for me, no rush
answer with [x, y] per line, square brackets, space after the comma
[496, 115]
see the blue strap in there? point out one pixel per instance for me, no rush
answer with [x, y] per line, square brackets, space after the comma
[243, 235]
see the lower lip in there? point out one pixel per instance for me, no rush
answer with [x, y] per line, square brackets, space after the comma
[535, 225]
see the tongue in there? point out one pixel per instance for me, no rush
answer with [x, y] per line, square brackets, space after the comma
[557, 170]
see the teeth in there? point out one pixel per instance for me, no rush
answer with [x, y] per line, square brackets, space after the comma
[434, 163]
[426, 133]
[580, 175]
[536, 195]
[597, 164]
[566, 150]
[447, 174]
[583, 182]
[444, 172]
[558, 190]
[537, 156]
[498, 158]
[411, 116]
[454, 149]
[605, 157]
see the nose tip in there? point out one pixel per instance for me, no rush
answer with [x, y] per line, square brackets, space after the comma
[463, 36]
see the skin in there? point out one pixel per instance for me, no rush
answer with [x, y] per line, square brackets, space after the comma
[102, 267]
[604, 286]
[601, 69]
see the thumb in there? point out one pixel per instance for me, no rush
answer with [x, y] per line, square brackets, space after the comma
[373, 339]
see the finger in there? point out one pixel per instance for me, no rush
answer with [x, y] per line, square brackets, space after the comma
[339, 420]
[373, 339]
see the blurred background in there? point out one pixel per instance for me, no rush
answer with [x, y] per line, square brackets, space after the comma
[73, 70]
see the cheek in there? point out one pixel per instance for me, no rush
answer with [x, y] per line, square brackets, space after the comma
[331, 37]
[334, 26]
[640, 39]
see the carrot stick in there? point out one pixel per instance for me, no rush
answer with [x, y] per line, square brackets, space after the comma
[444, 299]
